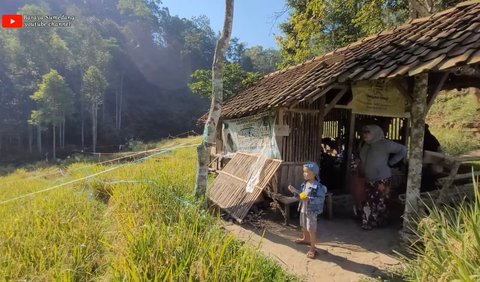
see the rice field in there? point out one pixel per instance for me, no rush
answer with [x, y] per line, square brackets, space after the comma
[137, 222]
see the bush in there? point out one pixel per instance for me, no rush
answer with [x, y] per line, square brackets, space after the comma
[449, 244]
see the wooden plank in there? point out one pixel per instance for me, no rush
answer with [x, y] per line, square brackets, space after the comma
[464, 159]
[463, 176]
[351, 139]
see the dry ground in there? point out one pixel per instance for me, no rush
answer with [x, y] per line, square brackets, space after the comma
[352, 254]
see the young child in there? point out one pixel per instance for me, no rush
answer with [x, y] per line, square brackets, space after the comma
[312, 198]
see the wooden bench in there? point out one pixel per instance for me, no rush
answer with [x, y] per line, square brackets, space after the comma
[287, 201]
[452, 185]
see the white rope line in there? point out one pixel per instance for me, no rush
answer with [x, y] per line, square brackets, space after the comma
[132, 154]
[83, 167]
[58, 186]
[93, 175]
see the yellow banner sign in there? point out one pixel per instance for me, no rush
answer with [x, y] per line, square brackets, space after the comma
[378, 98]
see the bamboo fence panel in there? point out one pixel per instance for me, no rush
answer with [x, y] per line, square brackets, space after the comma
[228, 191]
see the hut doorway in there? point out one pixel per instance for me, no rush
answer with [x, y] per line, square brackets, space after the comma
[341, 140]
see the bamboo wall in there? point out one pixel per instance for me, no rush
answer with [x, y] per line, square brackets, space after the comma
[304, 142]
[336, 123]
[392, 127]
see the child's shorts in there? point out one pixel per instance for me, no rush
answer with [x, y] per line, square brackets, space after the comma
[308, 221]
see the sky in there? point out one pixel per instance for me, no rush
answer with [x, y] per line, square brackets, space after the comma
[253, 20]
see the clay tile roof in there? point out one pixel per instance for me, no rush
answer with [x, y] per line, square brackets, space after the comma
[438, 42]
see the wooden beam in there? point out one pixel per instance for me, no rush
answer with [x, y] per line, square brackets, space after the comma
[402, 84]
[345, 107]
[335, 100]
[319, 95]
[279, 121]
[303, 111]
[436, 91]
[464, 159]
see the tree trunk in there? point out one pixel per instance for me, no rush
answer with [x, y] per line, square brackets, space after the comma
[120, 103]
[30, 139]
[60, 134]
[82, 113]
[415, 163]
[117, 95]
[63, 132]
[420, 8]
[94, 127]
[215, 107]
[54, 144]
[103, 113]
[39, 138]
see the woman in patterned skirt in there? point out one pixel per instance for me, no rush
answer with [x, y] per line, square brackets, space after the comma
[377, 156]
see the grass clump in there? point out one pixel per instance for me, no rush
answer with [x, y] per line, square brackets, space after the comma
[449, 244]
[455, 142]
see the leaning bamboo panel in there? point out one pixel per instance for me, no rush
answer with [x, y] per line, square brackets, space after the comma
[229, 188]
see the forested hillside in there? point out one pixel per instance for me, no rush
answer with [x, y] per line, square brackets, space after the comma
[125, 64]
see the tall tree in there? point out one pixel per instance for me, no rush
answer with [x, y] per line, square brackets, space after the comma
[259, 60]
[31, 60]
[234, 80]
[215, 107]
[94, 85]
[55, 101]
[318, 26]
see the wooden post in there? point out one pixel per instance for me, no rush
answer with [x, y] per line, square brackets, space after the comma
[419, 105]
[279, 139]
[321, 116]
[351, 139]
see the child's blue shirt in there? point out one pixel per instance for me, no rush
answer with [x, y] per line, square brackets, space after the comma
[316, 197]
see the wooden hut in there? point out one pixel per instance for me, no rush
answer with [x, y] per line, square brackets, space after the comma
[392, 77]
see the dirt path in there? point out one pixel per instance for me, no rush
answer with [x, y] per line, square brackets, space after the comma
[352, 254]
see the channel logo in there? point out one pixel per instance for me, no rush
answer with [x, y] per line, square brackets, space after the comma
[12, 21]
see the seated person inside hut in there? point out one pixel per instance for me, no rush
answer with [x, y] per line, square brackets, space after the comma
[430, 171]
[377, 156]
[331, 163]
